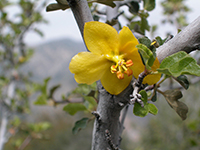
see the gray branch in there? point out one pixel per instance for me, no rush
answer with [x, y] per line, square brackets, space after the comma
[81, 12]
[110, 106]
[187, 40]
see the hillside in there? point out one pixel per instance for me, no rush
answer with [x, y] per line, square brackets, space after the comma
[52, 59]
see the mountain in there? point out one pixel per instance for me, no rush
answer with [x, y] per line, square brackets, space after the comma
[51, 59]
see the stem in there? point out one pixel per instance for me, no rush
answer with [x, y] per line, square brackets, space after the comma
[161, 92]
[81, 12]
[25, 143]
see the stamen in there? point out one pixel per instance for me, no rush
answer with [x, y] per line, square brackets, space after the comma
[129, 63]
[121, 67]
[120, 75]
[128, 72]
[154, 42]
[124, 67]
[113, 69]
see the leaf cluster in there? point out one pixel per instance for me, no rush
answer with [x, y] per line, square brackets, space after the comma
[16, 86]
[176, 66]
[140, 111]
[63, 5]
[175, 12]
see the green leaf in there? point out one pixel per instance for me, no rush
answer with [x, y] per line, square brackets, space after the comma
[182, 80]
[147, 55]
[39, 32]
[145, 41]
[84, 89]
[16, 121]
[144, 25]
[153, 109]
[55, 6]
[160, 40]
[52, 90]
[106, 2]
[140, 111]
[154, 98]
[73, 108]
[135, 26]
[133, 7]
[91, 100]
[63, 2]
[41, 100]
[79, 125]
[96, 17]
[172, 97]
[111, 4]
[38, 127]
[149, 5]
[144, 95]
[44, 86]
[178, 64]
[193, 125]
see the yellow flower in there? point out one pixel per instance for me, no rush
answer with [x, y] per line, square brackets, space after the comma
[113, 58]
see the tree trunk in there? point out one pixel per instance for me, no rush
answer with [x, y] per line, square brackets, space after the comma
[109, 107]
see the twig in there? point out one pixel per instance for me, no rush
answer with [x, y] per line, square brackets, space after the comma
[169, 38]
[136, 97]
[97, 115]
[25, 142]
[114, 21]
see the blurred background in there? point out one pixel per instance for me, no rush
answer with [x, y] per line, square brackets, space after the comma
[35, 50]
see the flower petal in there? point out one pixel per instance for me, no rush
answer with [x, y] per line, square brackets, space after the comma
[101, 38]
[138, 66]
[154, 78]
[130, 52]
[88, 67]
[126, 37]
[112, 84]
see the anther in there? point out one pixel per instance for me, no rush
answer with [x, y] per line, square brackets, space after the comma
[120, 75]
[128, 72]
[129, 63]
[113, 69]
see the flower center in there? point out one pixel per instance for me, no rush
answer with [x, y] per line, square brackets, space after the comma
[121, 66]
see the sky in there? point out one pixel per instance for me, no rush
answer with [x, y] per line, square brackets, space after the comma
[61, 24]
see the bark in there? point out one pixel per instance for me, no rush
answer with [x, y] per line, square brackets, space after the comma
[187, 40]
[108, 110]
[6, 114]
[81, 12]
[110, 106]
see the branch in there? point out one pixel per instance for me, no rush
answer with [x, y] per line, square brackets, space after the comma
[108, 109]
[110, 106]
[111, 14]
[3, 127]
[187, 40]
[81, 12]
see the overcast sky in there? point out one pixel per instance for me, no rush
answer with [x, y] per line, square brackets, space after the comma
[62, 23]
